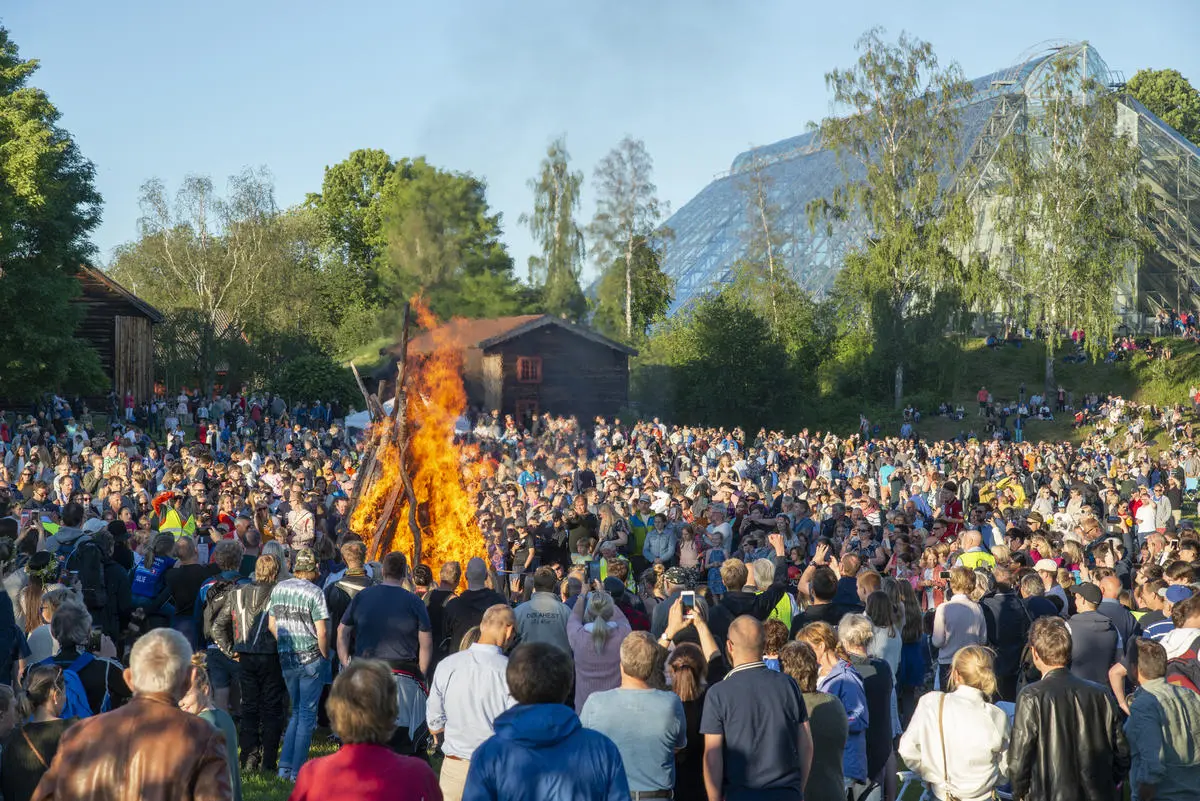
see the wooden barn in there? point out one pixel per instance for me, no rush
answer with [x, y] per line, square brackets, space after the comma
[533, 364]
[120, 326]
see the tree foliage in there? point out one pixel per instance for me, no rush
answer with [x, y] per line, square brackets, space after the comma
[313, 377]
[898, 137]
[556, 195]
[48, 205]
[442, 240]
[761, 271]
[1070, 210]
[725, 366]
[627, 212]
[650, 296]
[1171, 97]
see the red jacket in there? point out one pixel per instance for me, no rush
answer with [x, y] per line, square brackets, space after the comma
[366, 773]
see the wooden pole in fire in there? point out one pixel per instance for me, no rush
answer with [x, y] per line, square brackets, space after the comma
[400, 414]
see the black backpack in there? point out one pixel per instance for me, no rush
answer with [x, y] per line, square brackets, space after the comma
[87, 562]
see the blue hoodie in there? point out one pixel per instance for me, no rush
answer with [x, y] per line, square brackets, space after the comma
[846, 685]
[541, 752]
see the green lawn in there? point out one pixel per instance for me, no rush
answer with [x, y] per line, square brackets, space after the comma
[1002, 370]
[258, 786]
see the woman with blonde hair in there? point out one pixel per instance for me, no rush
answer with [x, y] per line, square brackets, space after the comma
[837, 677]
[595, 631]
[970, 762]
[613, 528]
[199, 702]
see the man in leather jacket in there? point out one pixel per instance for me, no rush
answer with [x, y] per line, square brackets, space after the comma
[1067, 740]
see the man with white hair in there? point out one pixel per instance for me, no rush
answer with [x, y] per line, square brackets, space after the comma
[149, 748]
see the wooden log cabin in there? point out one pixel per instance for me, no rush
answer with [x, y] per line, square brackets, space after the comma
[120, 326]
[531, 364]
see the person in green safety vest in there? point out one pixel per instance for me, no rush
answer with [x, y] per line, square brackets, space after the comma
[974, 555]
[763, 573]
[641, 523]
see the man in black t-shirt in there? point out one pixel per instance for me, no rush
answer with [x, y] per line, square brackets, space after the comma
[388, 622]
[436, 600]
[757, 743]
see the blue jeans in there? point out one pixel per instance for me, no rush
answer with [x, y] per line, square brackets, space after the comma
[304, 686]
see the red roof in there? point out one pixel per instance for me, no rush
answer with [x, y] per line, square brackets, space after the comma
[467, 333]
[486, 333]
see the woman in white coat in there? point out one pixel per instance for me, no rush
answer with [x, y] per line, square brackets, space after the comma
[957, 740]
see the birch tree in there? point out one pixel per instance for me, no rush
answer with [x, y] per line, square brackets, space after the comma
[895, 129]
[556, 195]
[1069, 211]
[627, 212]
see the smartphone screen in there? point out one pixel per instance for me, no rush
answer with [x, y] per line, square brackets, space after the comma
[593, 573]
[945, 574]
[687, 599]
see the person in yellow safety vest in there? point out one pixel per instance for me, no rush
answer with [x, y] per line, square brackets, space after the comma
[763, 571]
[617, 567]
[974, 555]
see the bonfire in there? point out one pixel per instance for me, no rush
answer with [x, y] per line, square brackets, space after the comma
[414, 491]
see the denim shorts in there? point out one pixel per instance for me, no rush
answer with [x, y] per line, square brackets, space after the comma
[222, 671]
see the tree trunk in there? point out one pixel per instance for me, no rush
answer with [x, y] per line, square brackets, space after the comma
[629, 291]
[899, 384]
[1051, 384]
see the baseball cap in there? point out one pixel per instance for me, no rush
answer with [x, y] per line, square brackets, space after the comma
[306, 561]
[94, 525]
[1035, 517]
[1048, 565]
[1088, 592]
[1176, 593]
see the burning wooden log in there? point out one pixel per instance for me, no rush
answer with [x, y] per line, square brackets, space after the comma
[414, 477]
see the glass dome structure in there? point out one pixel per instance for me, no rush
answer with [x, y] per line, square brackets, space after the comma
[710, 229]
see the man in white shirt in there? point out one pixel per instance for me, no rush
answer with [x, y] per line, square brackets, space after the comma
[468, 693]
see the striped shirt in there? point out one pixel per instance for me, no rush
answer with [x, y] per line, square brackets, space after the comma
[297, 605]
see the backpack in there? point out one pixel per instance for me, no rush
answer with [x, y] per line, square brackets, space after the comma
[353, 589]
[85, 559]
[213, 596]
[77, 705]
[1184, 670]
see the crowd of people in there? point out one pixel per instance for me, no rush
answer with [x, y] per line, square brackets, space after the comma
[655, 612]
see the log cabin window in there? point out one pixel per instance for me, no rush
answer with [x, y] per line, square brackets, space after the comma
[529, 369]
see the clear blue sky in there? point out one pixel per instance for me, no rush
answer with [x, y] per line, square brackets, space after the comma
[164, 89]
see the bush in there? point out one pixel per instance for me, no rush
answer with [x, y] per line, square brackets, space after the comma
[313, 377]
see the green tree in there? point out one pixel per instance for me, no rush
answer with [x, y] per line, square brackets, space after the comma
[1070, 210]
[48, 206]
[228, 270]
[627, 212]
[898, 138]
[726, 367]
[443, 241]
[556, 192]
[761, 271]
[641, 280]
[1171, 97]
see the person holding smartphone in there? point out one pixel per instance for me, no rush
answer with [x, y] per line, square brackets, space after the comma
[958, 622]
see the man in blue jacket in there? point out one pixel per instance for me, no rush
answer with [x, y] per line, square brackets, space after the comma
[540, 751]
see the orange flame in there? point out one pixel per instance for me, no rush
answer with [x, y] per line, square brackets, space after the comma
[444, 475]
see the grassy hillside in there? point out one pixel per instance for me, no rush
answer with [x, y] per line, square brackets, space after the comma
[1003, 369]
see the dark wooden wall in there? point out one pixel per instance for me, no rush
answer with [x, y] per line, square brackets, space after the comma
[133, 358]
[579, 376]
[121, 335]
